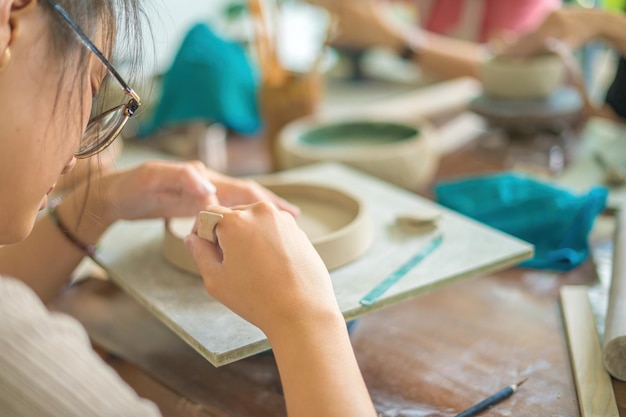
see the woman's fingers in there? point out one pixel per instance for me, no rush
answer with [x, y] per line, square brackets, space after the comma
[207, 255]
[168, 189]
[235, 191]
[263, 259]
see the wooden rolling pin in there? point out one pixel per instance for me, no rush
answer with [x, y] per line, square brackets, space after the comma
[596, 397]
[614, 351]
[446, 97]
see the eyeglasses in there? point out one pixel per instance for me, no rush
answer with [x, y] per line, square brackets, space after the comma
[103, 129]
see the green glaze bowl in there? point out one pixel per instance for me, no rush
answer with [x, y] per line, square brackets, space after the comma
[399, 153]
[357, 135]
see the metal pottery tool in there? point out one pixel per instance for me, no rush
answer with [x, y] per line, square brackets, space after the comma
[371, 297]
[489, 401]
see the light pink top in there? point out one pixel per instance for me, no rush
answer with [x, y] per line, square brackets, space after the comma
[47, 366]
[483, 18]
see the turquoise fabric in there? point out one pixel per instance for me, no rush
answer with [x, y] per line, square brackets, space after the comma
[210, 80]
[556, 221]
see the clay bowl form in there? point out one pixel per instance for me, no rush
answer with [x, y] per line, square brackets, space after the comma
[336, 222]
[533, 78]
[399, 153]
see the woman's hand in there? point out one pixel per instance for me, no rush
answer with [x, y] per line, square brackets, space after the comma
[265, 269]
[167, 189]
[236, 192]
[152, 190]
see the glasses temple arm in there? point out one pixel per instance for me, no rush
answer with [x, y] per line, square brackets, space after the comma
[85, 40]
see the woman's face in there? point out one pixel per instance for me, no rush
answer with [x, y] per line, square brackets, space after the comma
[43, 114]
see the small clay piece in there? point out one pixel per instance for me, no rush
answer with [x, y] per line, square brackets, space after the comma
[206, 225]
[418, 222]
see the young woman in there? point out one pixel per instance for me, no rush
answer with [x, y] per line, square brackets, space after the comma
[50, 68]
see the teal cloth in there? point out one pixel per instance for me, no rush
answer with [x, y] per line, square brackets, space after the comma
[210, 80]
[556, 221]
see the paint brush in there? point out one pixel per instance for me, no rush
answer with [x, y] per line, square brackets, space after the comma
[261, 41]
[492, 400]
[264, 15]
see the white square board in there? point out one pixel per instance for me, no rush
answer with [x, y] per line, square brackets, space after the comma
[131, 254]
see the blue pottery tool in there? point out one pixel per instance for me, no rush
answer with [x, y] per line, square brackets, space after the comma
[395, 276]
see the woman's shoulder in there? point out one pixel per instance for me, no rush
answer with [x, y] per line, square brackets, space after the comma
[15, 294]
[46, 357]
[23, 316]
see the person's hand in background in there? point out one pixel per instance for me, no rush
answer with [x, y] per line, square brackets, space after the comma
[573, 26]
[564, 31]
[364, 24]
[371, 23]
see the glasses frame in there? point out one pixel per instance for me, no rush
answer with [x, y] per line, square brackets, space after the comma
[128, 109]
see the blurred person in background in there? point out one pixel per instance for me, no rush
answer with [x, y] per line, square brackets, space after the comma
[448, 37]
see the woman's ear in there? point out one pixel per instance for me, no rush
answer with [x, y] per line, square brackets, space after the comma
[5, 23]
[21, 4]
[10, 12]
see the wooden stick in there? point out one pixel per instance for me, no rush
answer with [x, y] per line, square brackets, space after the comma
[614, 352]
[261, 40]
[207, 221]
[596, 397]
[266, 41]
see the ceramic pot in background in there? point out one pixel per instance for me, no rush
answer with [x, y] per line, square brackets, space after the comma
[403, 154]
[298, 97]
[533, 78]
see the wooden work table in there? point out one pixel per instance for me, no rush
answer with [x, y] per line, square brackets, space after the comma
[434, 355]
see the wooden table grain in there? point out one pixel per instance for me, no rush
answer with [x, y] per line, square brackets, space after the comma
[431, 356]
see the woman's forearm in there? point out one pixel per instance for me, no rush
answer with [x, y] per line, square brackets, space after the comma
[319, 372]
[450, 58]
[442, 56]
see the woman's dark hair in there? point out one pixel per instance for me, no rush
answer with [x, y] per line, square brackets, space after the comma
[114, 25]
